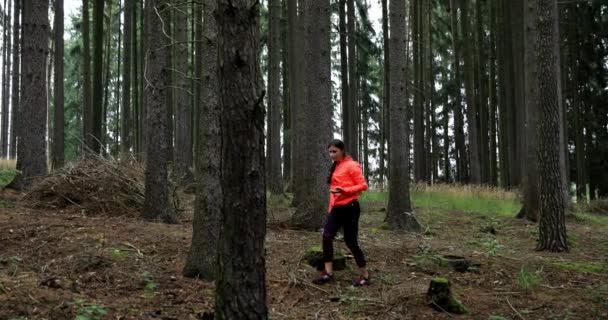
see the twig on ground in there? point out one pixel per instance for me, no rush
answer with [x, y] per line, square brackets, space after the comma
[514, 310]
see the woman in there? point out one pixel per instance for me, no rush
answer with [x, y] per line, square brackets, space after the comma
[345, 182]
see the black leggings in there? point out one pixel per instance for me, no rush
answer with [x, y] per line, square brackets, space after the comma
[347, 217]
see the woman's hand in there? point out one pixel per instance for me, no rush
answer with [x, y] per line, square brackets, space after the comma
[337, 190]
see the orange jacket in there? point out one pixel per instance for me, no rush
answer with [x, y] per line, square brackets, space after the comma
[349, 177]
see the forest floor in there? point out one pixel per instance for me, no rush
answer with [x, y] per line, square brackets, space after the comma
[62, 264]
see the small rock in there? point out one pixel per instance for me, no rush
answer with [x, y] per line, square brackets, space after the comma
[53, 283]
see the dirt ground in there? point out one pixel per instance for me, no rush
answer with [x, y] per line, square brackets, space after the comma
[61, 264]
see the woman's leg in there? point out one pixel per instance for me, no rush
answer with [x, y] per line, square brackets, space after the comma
[351, 230]
[332, 224]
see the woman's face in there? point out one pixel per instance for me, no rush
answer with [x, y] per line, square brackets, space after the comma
[335, 153]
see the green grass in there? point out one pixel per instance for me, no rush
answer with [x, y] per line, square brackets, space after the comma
[7, 173]
[528, 280]
[484, 200]
[581, 266]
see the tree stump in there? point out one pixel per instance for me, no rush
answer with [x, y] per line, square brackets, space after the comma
[314, 257]
[440, 297]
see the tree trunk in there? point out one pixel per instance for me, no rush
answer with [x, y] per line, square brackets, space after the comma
[504, 94]
[472, 126]
[482, 84]
[6, 87]
[58, 129]
[198, 73]
[106, 80]
[518, 137]
[87, 86]
[530, 208]
[136, 49]
[417, 54]
[31, 155]
[126, 124]
[344, 71]
[399, 214]
[316, 120]
[208, 205]
[240, 284]
[286, 95]
[384, 119]
[98, 17]
[352, 143]
[299, 98]
[157, 203]
[493, 167]
[15, 79]
[183, 115]
[552, 235]
[169, 30]
[461, 158]
[275, 185]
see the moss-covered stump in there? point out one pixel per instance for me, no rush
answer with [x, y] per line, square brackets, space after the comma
[441, 298]
[314, 257]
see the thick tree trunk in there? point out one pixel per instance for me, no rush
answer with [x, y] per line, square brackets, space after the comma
[58, 95]
[240, 283]
[275, 184]
[399, 214]
[31, 155]
[552, 235]
[208, 206]
[316, 121]
[157, 203]
[183, 114]
[531, 192]
[300, 99]
[106, 80]
[504, 95]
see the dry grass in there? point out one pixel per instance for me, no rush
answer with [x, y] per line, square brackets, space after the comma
[93, 184]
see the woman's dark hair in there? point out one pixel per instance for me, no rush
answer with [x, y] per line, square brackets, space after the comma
[340, 145]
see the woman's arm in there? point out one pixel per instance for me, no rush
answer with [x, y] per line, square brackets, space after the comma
[355, 173]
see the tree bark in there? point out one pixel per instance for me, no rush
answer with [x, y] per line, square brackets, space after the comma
[275, 185]
[344, 71]
[6, 87]
[240, 283]
[399, 214]
[493, 101]
[87, 86]
[418, 88]
[31, 155]
[384, 118]
[286, 95]
[98, 17]
[126, 124]
[58, 95]
[552, 235]
[482, 85]
[531, 192]
[183, 115]
[157, 203]
[15, 78]
[352, 143]
[316, 120]
[461, 158]
[472, 126]
[201, 261]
